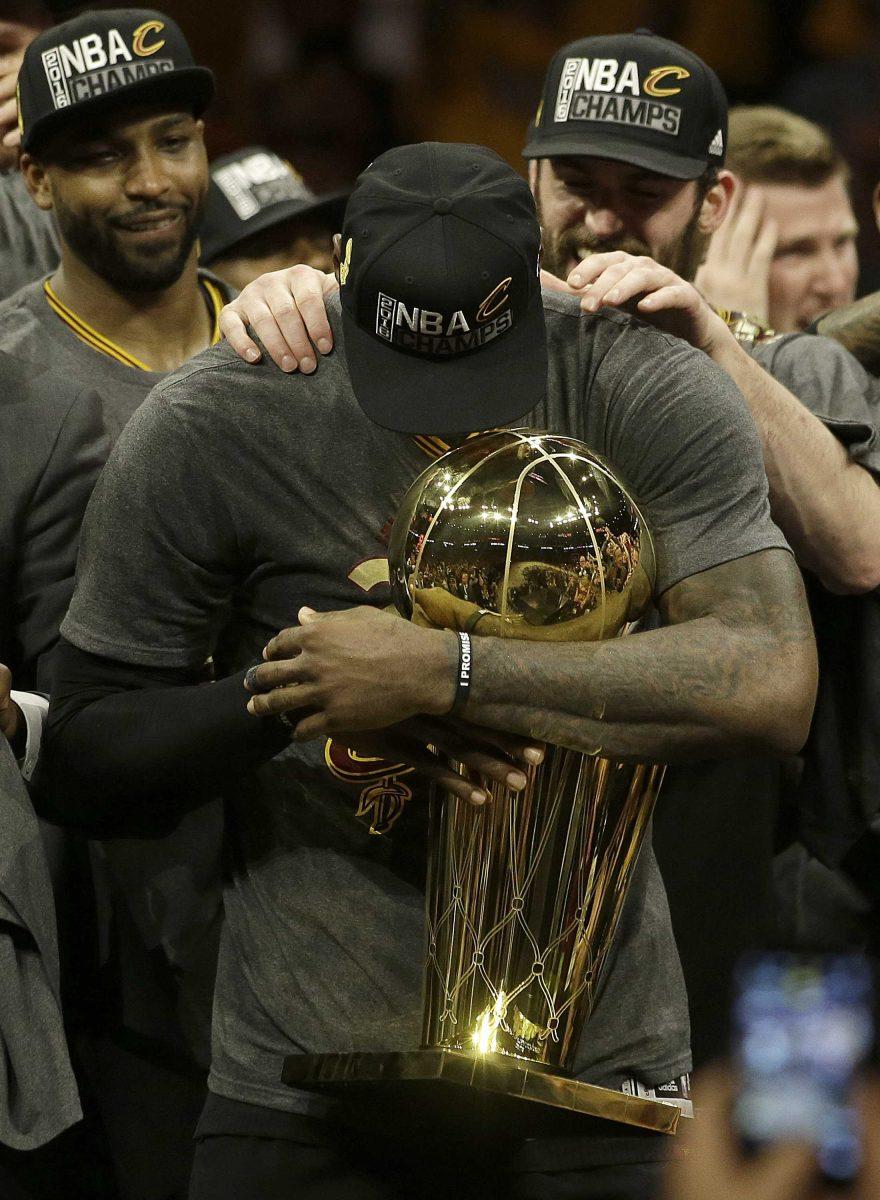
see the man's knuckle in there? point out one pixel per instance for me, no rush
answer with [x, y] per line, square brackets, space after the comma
[263, 321]
[282, 304]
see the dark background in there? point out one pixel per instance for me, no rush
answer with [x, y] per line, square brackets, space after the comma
[331, 83]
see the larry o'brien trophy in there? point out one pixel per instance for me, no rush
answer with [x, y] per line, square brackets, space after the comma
[524, 535]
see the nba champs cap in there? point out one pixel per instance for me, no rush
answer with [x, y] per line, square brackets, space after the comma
[252, 190]
[104, 58]
[635, 98]
[442, 318]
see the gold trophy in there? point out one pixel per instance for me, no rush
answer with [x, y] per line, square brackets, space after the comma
[520, 535]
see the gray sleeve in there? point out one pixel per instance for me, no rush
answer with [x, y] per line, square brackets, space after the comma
[48, 534]
[158, 549]
[833, 385]
[679, 432]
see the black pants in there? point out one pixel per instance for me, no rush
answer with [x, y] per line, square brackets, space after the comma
[378, 1160]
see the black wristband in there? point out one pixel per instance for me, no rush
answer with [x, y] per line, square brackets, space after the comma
[463, 681]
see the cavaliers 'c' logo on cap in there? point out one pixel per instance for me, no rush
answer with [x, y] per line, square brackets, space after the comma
[139, 43]
[496, 300]
[654, 78]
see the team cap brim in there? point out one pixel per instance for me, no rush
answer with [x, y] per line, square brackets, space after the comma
[586, 144]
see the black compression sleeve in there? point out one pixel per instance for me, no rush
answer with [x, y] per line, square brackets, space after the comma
[128, 750]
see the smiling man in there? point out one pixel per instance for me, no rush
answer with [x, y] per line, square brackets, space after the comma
[626, 152]
[112, 146]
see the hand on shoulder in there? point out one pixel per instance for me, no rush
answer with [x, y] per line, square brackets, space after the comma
[287, 310]
[639, 285]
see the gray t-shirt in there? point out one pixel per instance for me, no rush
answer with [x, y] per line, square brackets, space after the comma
[833, 385]
[28, 239]
[238, 494]
[55, 450]
[31, 331]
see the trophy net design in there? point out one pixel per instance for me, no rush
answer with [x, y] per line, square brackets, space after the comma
[526, 535]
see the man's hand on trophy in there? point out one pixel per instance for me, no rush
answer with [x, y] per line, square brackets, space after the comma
[349, 674]
[286, 309]
[650, 291]
[356, 669]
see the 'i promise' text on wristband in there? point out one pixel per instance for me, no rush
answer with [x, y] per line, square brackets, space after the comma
[463, 682]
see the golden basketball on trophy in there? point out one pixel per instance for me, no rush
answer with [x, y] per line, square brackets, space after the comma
[525, 535]
[533, 531]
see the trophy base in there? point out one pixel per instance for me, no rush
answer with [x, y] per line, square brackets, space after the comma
[466, 1086]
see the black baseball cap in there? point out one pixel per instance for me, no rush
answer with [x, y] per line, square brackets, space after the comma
[253, 190]
[441, 298]
[101, 59]
[635, 98]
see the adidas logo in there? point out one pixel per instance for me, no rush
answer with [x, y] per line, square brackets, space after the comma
[716, 146]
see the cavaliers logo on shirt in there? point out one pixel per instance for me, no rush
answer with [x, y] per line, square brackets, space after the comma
[383, 795]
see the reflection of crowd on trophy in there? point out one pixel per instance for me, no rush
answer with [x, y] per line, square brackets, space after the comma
[577, 585]
[478, 584]
[618, 558]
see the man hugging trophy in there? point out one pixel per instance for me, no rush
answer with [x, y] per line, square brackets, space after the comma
[518, 534]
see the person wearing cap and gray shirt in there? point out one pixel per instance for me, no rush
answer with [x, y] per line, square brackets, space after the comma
[626, 157]
[240, 498]
[639, 200]
[112, 144]
[261, 216]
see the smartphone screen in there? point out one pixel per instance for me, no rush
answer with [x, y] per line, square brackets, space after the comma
[803, 1025]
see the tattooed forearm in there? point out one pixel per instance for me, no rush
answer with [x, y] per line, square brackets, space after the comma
[734, 669]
